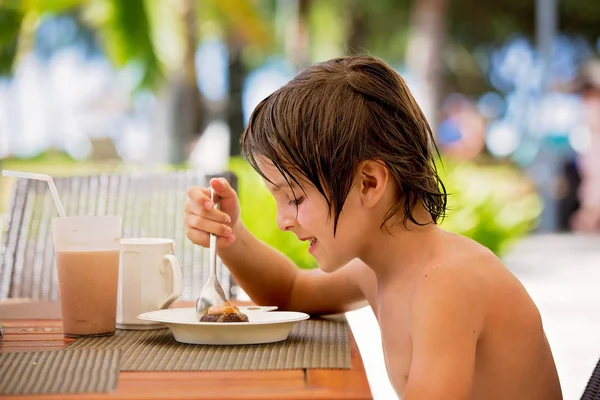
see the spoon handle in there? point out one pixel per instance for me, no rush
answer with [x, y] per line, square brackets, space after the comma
[213, 238]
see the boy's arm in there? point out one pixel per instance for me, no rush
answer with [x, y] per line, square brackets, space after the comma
[446, 321]
[270, 278]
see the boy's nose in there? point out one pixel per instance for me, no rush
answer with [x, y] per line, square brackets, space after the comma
[285, 222]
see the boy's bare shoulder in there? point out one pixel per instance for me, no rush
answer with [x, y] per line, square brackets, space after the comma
[468, 272]
[462, 257]
[454, 288]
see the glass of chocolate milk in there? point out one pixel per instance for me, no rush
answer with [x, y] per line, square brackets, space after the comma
[87, 258]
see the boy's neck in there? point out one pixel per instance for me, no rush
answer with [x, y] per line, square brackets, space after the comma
[400, 251]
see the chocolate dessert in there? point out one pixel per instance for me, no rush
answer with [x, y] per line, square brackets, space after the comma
[225, 312]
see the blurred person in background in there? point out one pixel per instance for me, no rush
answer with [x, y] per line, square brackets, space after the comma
[587, 217]
[461, 135]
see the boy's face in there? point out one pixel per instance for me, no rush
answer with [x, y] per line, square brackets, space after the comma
[307, 215]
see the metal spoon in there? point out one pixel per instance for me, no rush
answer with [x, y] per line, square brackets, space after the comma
[212, 293]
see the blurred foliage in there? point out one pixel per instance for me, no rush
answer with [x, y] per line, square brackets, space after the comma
[148, 35]
[10, 22]
[494, 205]
[55, 163]
[474, 28]
[242, 18]
[124, 31]
[145, 35]
[476, 23]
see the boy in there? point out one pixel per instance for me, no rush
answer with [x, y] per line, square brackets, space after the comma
[347, 154]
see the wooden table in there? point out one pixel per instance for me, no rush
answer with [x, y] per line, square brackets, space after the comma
[25, 331]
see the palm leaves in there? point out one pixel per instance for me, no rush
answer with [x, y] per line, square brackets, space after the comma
[148, 35]
[10, 23]
[123, 28]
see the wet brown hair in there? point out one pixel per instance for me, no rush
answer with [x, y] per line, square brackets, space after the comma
[338, 113]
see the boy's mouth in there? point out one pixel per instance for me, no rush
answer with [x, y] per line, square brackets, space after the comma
[312, 241]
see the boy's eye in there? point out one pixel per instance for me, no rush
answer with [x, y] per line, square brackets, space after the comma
[296, 201]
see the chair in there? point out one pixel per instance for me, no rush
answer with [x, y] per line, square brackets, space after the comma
[592, 389]
[150, 204]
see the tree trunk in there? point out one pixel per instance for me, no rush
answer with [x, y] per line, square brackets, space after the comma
[186, 117]
[302, 56]
[237, 75]
[424, 54]
[292, 30]
[358, 25]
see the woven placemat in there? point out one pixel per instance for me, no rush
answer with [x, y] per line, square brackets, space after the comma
[311, 344]
[63, 371]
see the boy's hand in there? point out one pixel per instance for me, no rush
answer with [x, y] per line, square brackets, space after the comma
[202, 218]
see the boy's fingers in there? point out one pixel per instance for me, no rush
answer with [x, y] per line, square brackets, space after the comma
[222, 187]
[198, 194]
[225, 241]
[215, 215]
[206, 225]
[201, 238]
[191, 207]
[196, 236]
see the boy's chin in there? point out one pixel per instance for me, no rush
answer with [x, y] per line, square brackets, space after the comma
[329, 266]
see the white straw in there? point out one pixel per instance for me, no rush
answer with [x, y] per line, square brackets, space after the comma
[39, 177]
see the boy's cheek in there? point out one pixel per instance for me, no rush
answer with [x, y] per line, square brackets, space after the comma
[304, 216]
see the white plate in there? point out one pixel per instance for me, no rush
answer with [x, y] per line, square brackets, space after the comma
[263, 327]
[151, 325]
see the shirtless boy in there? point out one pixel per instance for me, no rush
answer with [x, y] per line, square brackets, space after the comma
[349, 158]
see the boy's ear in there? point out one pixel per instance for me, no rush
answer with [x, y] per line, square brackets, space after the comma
[373, 177]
